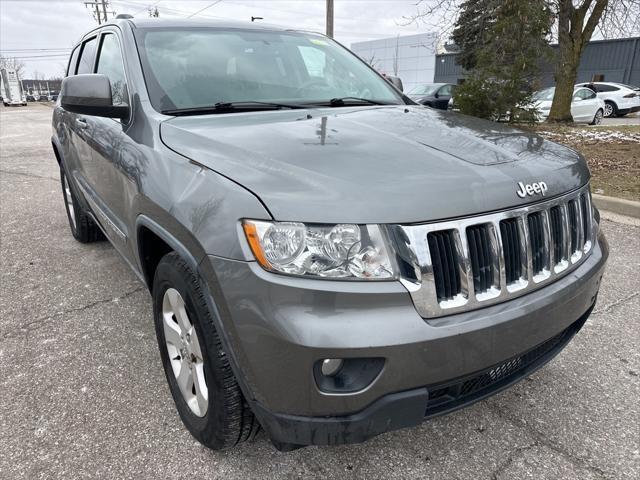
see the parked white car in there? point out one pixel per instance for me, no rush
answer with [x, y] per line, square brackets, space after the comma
[619, 99]
[586, 107]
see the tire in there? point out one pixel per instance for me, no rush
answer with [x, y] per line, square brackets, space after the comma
[597, 118]
[210, 402]
[610, 109]
[82, 226]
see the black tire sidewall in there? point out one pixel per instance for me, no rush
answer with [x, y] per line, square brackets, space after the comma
[210, 428]
[74, 228]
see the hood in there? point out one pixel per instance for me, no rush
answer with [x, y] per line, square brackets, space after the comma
[389, 164]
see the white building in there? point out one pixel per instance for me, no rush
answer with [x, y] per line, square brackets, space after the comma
[412, 58]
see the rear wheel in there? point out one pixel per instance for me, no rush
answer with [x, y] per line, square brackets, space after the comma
[82, 226]
[610, 108]
[203, 386]
[597, 118]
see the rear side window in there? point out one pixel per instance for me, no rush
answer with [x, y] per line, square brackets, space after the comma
[86, 57]
[110, 63]
[606, 88]
[73, 61]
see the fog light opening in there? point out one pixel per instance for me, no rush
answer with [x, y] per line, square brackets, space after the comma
[331, 366]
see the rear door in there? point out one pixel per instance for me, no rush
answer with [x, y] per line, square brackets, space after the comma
[81, 129]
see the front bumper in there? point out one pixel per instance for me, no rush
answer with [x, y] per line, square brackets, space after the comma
[278, 327]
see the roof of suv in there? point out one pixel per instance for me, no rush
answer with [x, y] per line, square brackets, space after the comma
[145, 22]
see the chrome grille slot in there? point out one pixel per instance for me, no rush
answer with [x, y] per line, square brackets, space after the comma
[557, 233]
[511, 246]
[585, 213]
[480, 254]
[459, 265]
[573, 226]
[537, 240]
[445, 264]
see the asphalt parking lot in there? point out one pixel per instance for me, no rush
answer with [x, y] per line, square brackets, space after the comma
[83, 394]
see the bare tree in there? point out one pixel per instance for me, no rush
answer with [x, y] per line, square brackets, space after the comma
[13, 64]
[576, 23]
[395, 56]
[372, 61]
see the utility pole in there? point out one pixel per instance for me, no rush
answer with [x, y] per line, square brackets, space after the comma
[104, 10]
[330, 18]
[101, 17]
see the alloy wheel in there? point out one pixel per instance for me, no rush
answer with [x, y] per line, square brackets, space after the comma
[69, 200]
[608, 109]
[185, 354]
[598, 119]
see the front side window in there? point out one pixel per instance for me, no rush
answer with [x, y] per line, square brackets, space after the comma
[199, 67]
[87, 56]
[110, 63]
[445, 91]
[424, 90]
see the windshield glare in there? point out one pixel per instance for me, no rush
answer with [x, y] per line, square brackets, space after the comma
[198, 67]
[544, 95]
[424, 90]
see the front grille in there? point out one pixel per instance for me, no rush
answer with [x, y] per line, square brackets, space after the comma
[458, 393]
[477, 261]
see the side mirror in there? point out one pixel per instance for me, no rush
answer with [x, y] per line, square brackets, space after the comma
[90, 94]
[436, 95]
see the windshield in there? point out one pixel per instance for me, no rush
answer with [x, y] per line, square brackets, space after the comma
[543, 95]
[424, 89]
[199, 67]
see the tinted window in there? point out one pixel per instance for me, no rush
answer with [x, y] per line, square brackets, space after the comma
[86, 57]
[445, 91]
[110, 64]
[606, 88]
[193, 67]
[71, 68]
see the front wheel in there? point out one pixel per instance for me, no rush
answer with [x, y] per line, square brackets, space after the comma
[597, 119]
[203, 386]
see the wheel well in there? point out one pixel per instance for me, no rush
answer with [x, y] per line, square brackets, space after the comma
[56, 153]
[151, 249]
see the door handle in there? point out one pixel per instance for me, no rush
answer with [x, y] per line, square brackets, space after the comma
[81, 122]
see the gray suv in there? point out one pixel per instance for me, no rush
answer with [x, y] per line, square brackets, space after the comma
[327, 259]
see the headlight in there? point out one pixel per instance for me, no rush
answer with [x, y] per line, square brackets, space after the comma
[344, 251]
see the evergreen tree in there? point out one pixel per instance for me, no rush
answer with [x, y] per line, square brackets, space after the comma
[471, 31]
[506, 60]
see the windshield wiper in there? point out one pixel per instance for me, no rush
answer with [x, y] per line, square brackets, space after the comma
[339, 102]
[226, 107]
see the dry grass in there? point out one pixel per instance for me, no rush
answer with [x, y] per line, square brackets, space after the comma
[613, 155]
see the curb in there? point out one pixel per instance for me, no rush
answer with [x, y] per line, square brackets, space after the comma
[617, 205]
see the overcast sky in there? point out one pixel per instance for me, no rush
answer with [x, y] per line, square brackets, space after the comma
[35, 28]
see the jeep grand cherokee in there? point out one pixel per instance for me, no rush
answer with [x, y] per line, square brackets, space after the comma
[327, 259]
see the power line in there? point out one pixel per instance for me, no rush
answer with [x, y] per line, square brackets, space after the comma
[203, 9]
